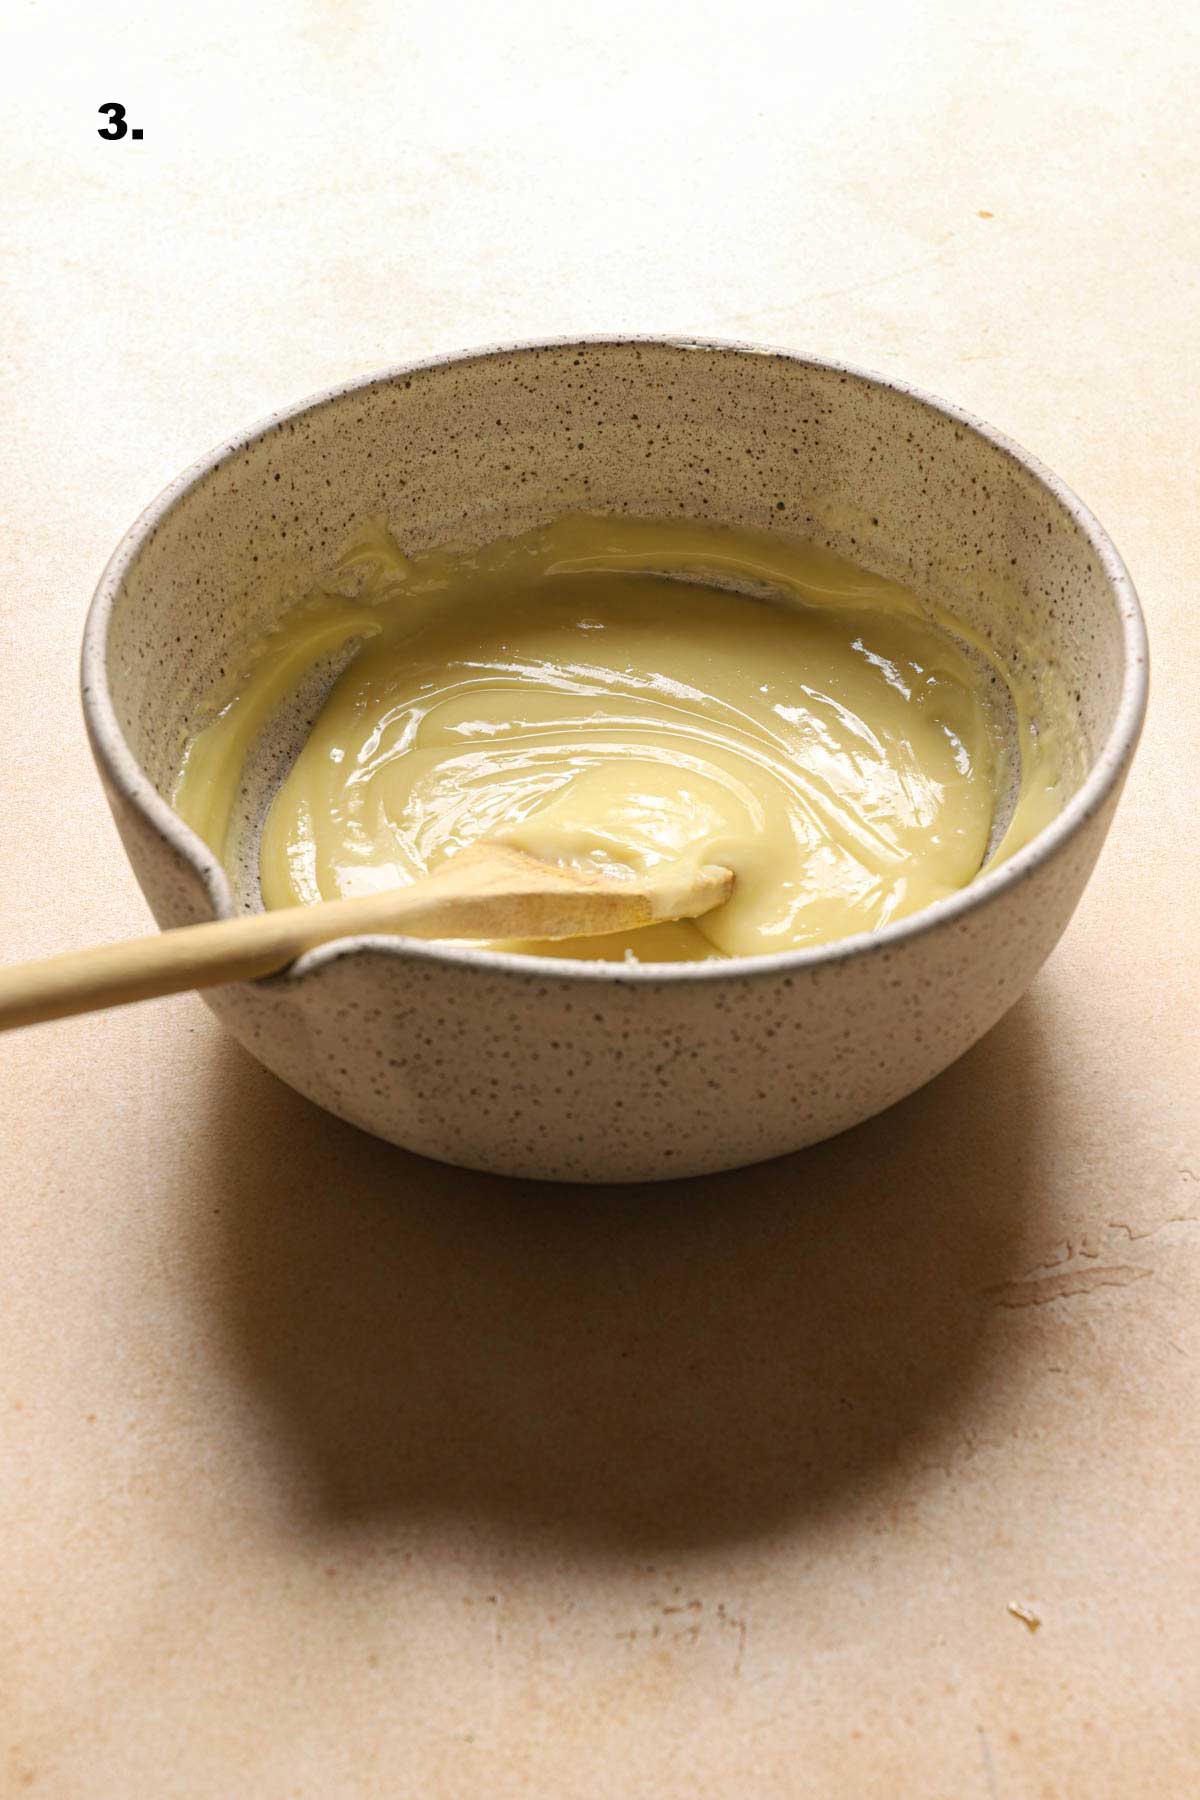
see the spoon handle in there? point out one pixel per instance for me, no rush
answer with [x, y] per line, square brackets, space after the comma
[486, 891]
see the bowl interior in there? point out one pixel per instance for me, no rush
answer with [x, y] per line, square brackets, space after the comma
[471, 449]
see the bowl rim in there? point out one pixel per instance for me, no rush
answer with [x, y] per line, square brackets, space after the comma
[118, 763]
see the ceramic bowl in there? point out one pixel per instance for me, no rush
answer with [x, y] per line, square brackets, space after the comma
[586, 1071]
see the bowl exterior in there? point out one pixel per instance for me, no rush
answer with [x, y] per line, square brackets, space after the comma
[533, 1072]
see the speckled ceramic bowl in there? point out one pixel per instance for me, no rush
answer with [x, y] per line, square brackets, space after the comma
[588, 1071]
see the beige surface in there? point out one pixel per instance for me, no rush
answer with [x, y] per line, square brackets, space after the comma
[327, 1472]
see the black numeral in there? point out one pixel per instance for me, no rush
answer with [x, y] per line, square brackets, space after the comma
[116, 127]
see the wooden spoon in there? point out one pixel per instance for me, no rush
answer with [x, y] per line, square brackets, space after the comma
[487, 891]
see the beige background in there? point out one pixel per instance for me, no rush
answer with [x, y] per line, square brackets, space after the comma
[329, 1472]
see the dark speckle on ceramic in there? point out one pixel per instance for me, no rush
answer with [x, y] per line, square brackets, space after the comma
[592, 1071]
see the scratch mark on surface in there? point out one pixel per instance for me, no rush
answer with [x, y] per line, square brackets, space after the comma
[989, 1767]
[1151, 1230]
[854, 287]
[739, 1626]
[1062, 1287]
[497, 1683]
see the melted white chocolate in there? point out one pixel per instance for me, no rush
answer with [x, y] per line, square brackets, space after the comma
[833, 747]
